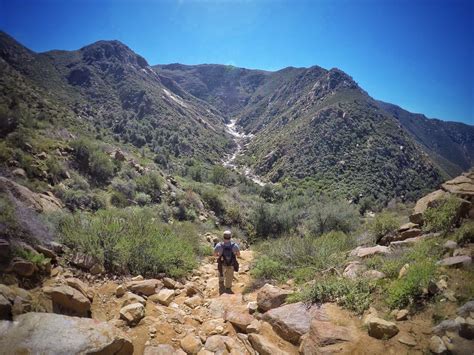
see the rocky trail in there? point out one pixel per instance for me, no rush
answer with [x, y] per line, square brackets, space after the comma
[241, 140]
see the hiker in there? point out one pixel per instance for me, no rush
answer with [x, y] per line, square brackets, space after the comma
[227, 253]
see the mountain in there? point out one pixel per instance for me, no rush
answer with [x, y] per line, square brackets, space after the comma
[107, 84]
[318, 124]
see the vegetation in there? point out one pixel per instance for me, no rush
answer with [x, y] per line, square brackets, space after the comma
[382, 224]
[443, 216]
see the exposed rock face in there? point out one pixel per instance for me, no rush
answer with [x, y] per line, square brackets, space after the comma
[67, 300]
[293, 320]
[423, 203]
[144, 287]
[47, 333]
[461, 186]
[23, 267]
[132, 313]
[81, 287]
[322, 334]
[369, 251]
[270, 296]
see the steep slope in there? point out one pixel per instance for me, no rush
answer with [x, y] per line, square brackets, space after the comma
[450, 144]
[108, 84]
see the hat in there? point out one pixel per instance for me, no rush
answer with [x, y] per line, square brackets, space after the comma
[227, 234]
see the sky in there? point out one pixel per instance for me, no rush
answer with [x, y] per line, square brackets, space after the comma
[417, 54]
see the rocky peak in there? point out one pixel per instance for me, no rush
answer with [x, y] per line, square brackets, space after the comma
[112, 51]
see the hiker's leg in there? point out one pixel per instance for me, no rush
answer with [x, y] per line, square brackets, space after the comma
[228, 276]
[221, 274]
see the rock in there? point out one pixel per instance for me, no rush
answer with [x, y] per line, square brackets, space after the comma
[165, 296]
[144, 287]
[5, 308]
[67, 300]
[19, 172]
[262, 345]
[402, 315]
[83, 261]
[466, 309]
[407, 340]
[97, 269]
[191, 289]
[466, 329]
[407, 226]
[20, 306]
[423, 203]
[252, 307]
[448, 325]
[253, 327]
[407, 242]
[456, 261]
[118, 155]
[270, 296]
[119, 291]
[131, 298]
[437, 345]
[450, 245]
[193, 302]
[191, 344]
[137, 278]
[36, 201]
[48, 333]
[381, 329]
[322, 334]
[369, 251]
[46, 252]
[354, 269]
[169, 283]
[463, 252]
[442, 284]
[403, 271]
[81, 287]
[293, 320]
[239, 320]
[461, 186]
[217, 343]
[162, 349]
[410, 233]
[132, 313]
[23, 267]
[4, 249]
[374, 275]
[42, 156]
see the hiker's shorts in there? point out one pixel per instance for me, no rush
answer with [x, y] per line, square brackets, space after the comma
[228, 273]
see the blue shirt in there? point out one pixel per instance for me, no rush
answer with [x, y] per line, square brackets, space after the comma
[219, 248]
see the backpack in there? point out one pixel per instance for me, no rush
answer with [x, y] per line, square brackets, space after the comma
[228, 255]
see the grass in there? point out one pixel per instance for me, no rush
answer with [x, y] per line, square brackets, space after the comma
[444, 216]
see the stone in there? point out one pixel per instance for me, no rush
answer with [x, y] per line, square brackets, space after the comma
[423, 203]
[262, 345]
[83, 261]
[402, 315]
[270, 296]
[322, 334]
[19, 172]
[118, 155]
[239, 320]
[5, 308]
[437, 345]
[217, 343]
[449, 325]
[32, 333]
[23, 267]
[410, 233]
[120, 291]
[97, 269]
[81, 287]
[461, 186]
[169, 283]
[131, 298]
[144, 287]
[381, 329]
[67, 300]
[161, 349]
[137, 278]
[456, 261]
[20, 306]
[191, 344]
[354, 269]
[46, 252]
[165, 296]
[193, 302]
[132, 313]
[191, 289]
[369, 251]
[252, 307]
[374, 275]
[466, 309]
[450, 245]
[253, 327]
[466, 329]
[407, 226]
[403, 271]
[407, 340]
[293, 320]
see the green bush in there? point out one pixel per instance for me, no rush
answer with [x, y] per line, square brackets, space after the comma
[213, 201]
[382, 224]
[81, 200]
[142, 199]
[93, 161]
[355, 295]
[130, 240]
[465, 233]
[443, 216]
[151, 184]
[268, 268]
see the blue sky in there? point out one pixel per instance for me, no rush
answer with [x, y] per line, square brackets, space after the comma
[417, 54]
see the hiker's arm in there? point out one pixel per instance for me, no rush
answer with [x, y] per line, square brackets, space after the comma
[237, 253]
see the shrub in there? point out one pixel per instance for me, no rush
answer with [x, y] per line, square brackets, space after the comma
[382, 224]
[55, 169]
[465, 233]
[355, 295]
[268, 268]
[443, 216]
[142, 199]
[81, 200]
[213, 201]
[93, 161]
[119, 200]
[150, 184]
[126, 187]
[129, 240]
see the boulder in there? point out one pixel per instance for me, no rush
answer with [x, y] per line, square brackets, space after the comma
[239, 320]
[461, 186]
[407, 340]
[380, 328]
[165, 296]
[252, 307]
[83, 261]
[450, 245]
[191, 344]
[466, 309]
[456, 261]
[403, 271]
[410, 233]
[131, 298]
[81, 287]
[218, 343]
[437, 345]
[407, 226]
[49, 333]
[448, 325]
[466, 328]
[132, 313]
[19, 172]
[254, 327]
[270, 296]
[322, 334]
[370, 251]
[5, 308]
[262, 345]
[20, 306]
[169, 283]
[67, 300]
[46, 252]
[193, 302]
[120, 291]
[144, 287]
[23, 267]
[402, 315]
[373, 275]
[423, 203]
[293, 320]
[354, 269]
[191, 289]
